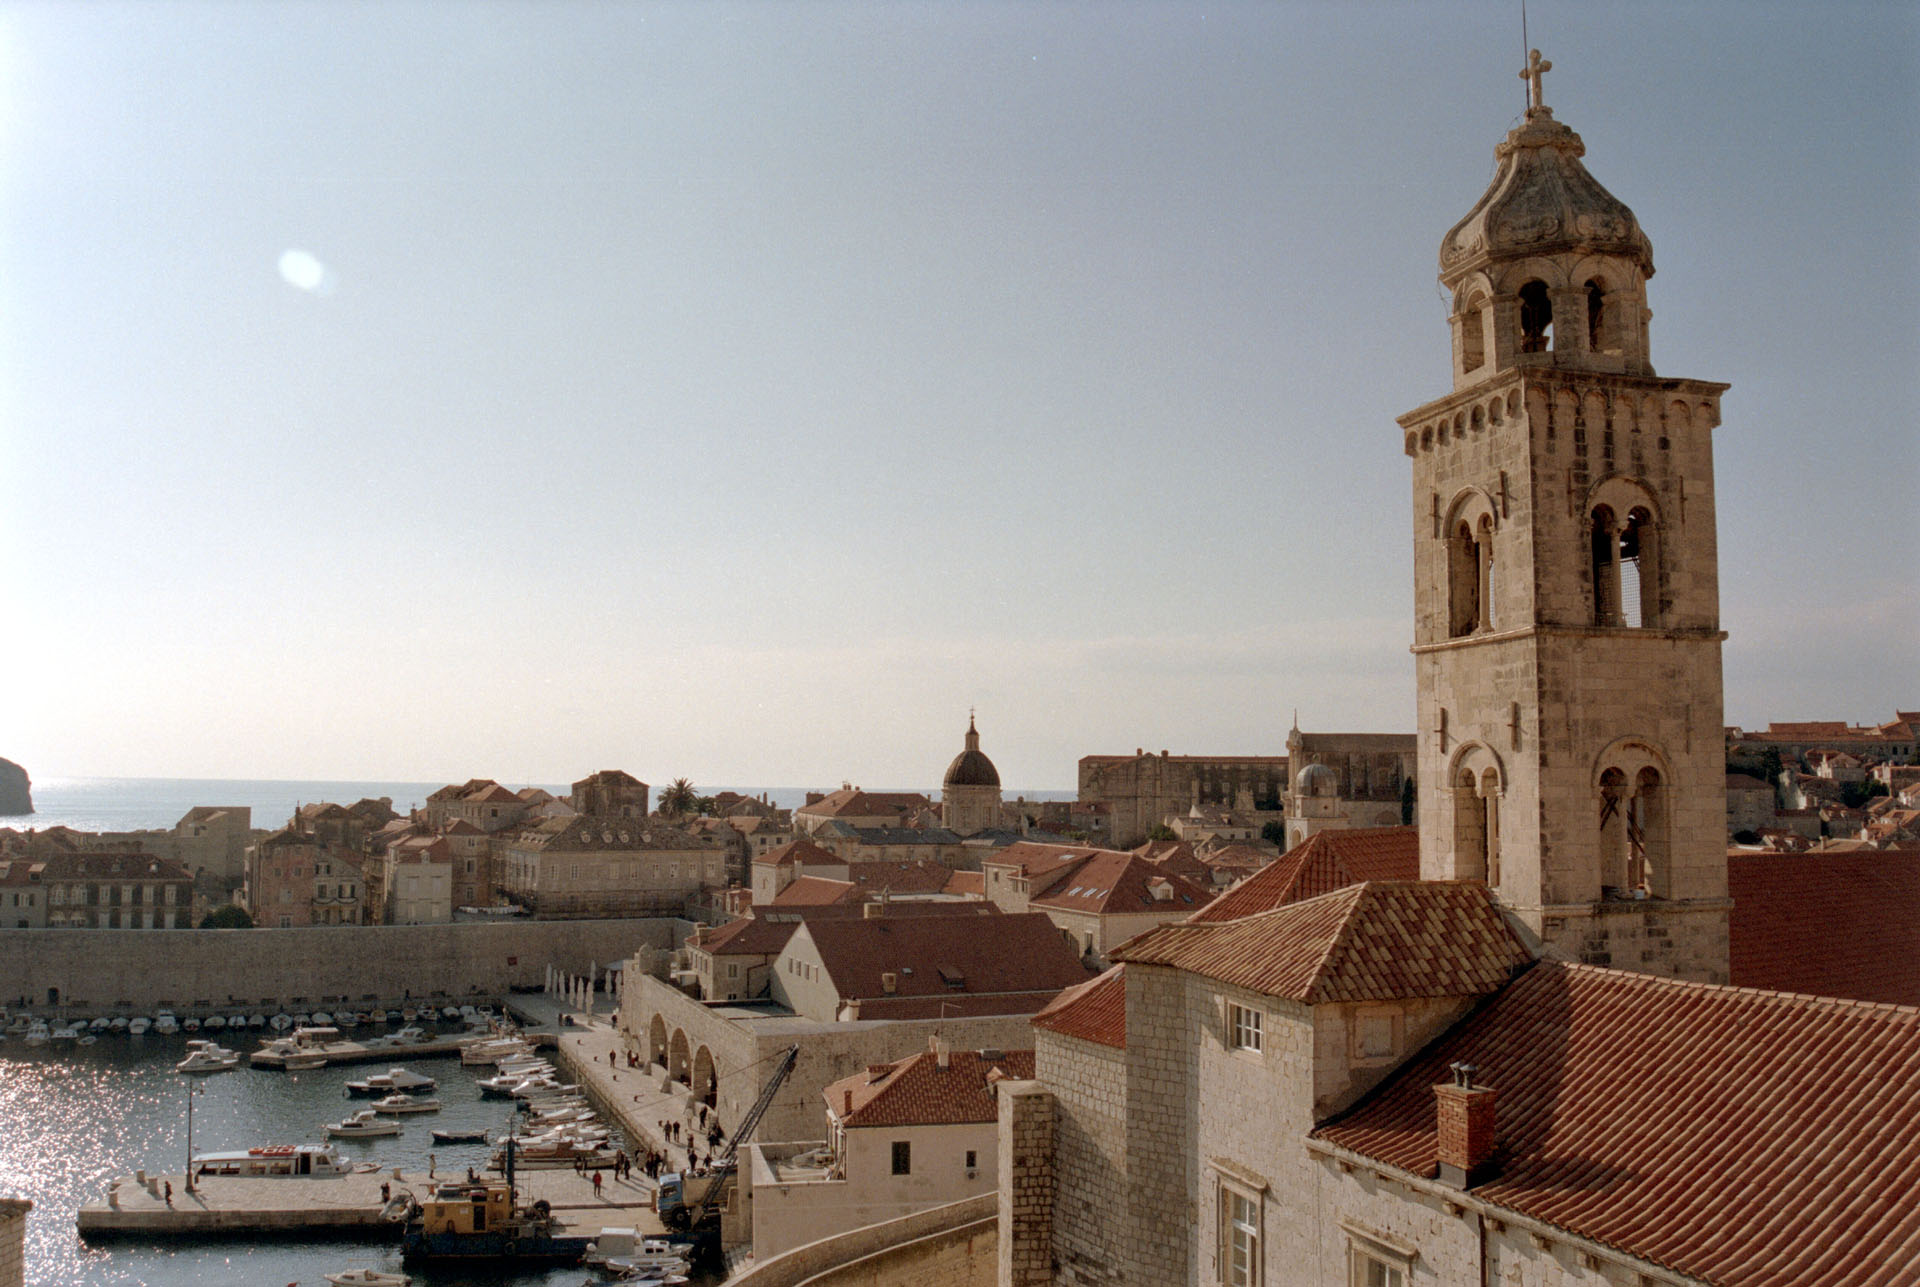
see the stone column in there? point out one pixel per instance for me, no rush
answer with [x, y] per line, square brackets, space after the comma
[1026, 1184]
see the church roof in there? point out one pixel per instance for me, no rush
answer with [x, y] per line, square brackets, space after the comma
[971, 767]
[1731, 1135]
[1380, 941]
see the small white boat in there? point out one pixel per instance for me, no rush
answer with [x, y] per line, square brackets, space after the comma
[214, 1023]
[449, 1013]
[117, 1024]
[320, 1018]
[303, 1020]
[18, 1025]
[280, 1022]
[67, 1032]
[405, 1104]
[190, 1024]
[204, 1060]
[38, 1034]
[165, 1024]
[256, 1021]
[365, 1124]
[390, 1081]
[367, 1278]
[304, 1063]
[138, 1025]
[100, 1024]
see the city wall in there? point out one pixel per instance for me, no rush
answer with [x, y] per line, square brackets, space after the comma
[950, 1246]
[116, 971]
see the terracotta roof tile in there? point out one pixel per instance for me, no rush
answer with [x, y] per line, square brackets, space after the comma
[748, 936]
[813, 891]
[1732, 1135]
[1323, 862]
[1107, 883]
[1376, 941]
[1832, 924]
[802, 853]
[1092, 1011]
[916, 1091]
[946, 956]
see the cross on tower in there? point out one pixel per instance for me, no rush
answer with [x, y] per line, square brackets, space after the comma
[1536, 68]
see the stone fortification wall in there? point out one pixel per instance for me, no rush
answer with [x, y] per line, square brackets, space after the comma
[950, 1246]
[1089, 1085]
[117, 970]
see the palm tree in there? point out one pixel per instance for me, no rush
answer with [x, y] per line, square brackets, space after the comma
[679, 798]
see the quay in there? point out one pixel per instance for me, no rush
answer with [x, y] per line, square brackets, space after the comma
[347, 1207]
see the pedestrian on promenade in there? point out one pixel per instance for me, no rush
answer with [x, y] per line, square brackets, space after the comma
[430, 1166]
[596, 1182]
[169, 1192]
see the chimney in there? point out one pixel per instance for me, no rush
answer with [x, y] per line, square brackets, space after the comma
[846, 1110]
[940, 1057]
[888, 982]
[1465, 1128]
[873, 911]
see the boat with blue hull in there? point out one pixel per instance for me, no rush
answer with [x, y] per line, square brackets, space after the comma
[483, 1220]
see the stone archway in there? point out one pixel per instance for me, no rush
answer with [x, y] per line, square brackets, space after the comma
[679, 1059]
[657, 1041]
[706, 1082]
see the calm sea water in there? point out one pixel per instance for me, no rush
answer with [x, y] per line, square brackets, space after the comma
[76, 1117]
[141, 804]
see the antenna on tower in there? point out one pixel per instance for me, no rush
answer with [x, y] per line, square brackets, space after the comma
[1525, 44]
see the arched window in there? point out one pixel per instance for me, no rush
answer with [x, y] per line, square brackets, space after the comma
[1469, 827]
[1536, 318]
[1614, 803]
[1597, 339]
[1639, 569]
[1463, 582]
[1483, 549]
[1606, 566]
[1633, 835]
[1473, 334]
[1490, 822]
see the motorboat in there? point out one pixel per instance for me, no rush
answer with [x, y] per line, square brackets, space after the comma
[459, 1137]
[165, 1024]
[483, 1220]
[406, 1104]
[393, 1079]
[408, 1035]
[38, 1034]
[138, 1025]
[624, 1250]
[256, 1021]
[450, 1013]
[303, 1020]
[367, 1278]
[214, 1023]
[17, 1025]
[274, 1160]
[365, 1124]
[208, 1058]
[68, 1031]
[100, 1024]
[409, 1013]
[304, 1063]
[320, 1018]
[190, 1024]
[117, 1024]
[280, 1022]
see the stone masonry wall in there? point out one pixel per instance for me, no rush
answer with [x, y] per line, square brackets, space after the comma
[1088, 1081]
[1162, 1108]
[1026, 1189]
[951, 1246]
[119, 970]
[13, 1236]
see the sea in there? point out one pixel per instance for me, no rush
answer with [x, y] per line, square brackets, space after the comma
[156, 804]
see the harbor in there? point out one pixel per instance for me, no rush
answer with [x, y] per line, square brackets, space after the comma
[119, 1108]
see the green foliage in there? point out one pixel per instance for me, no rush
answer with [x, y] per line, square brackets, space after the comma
[1406, 802]
[678, 798]
[1276, 832]
[1162, 832]
[228, 917]
[1855, 794]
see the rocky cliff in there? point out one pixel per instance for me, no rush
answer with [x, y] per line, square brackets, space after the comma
[16, 789]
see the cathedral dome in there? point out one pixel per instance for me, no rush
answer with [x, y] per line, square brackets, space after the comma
[1316, 780]
[971, 768]
[1542, 202]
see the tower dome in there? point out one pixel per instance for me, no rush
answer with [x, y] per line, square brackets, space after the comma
[971, 768]
[1548, 268]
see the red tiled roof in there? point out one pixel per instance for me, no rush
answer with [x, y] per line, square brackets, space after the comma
[1746, 782]
[1732, 1135]
[916, 1091]
[1092, 1011]
[916, 876]
[812, 891]
[1114, 884]
[966, 882]
[946, 956]
[1032, 857]
[1831, 924]
[956, 1006]
[803, 852]
[1378, 941]
[749, 936]
[1324, 861]
[852, 802]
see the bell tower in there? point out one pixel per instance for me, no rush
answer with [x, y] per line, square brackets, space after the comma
[1567, 623]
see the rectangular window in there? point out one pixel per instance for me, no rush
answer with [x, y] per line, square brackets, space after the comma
[1243, 1028]
[973, 1160]
[1240, 1239]
[903, 1157]
[1371, 1271]
[1375, 1260]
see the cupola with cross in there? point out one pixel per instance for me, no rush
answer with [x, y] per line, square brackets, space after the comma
[1566, 631]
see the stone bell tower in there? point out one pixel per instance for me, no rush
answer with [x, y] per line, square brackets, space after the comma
[1567, 622]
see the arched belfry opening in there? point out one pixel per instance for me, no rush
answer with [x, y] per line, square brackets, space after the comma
[1625, 567]
[1598, 338]
[1473, 333]
[1536, 318]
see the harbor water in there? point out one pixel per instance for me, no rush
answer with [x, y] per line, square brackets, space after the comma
[76, 1117]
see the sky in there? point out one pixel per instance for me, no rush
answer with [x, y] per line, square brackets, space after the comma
[746, 391]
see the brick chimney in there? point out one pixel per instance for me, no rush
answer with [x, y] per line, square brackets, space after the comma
[1466, 1133]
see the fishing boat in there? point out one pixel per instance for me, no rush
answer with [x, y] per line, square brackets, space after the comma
[365, 1124]
[459, 1137]
[398, 1103]
[368, 1278]
[392, 1080]
[483, 1219]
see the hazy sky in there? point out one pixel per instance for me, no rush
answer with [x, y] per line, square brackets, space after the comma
[743, 391]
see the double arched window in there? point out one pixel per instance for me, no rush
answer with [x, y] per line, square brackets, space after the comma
[1633, 824]
[1470, 578]
[1625, 566]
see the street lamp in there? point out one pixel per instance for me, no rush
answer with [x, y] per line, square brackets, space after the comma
[194, 1089]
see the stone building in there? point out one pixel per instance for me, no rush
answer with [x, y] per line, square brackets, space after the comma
[1141, 790]
[611, 793]
[1567, 616]
[590, 867]
[970, 792]
[95, 891]
[213, 839]
[1346, 780]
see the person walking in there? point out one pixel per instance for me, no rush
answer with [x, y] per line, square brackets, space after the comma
[169, 1192]
[596, 1182]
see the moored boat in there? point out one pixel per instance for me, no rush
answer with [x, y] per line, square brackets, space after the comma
[392, 1080]
[367, 1278]
[398, 1103]
[459, 1137]
[484, 1220]
[365, 1124]
[208, 1058]
[273, 1160]
[165, 1024]
[138, 1025]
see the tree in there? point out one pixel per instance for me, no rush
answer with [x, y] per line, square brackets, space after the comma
[1275, 832]
[678, 798]
[228, 917]
[1406, 802]
[1162, 832]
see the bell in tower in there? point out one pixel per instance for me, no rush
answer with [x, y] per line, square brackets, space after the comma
[1567, 637]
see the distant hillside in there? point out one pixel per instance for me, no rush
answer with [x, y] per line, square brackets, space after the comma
[16, 790]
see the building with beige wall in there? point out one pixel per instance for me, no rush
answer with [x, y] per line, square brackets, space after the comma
[596, 866]
[213, 839]
[1142, 790]
[95, 891]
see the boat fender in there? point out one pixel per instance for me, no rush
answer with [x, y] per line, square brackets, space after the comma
[542, 1207]
[509, 1247]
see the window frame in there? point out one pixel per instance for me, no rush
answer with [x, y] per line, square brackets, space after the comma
[1238, 1192]
[903, 1157]
[1246, 1029]
[1368, 1250]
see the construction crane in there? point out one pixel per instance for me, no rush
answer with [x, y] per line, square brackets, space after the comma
[684, 1201]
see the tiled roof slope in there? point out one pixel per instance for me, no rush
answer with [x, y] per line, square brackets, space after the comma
[1378, 941]
[946, 956]
[1830, 924]
[1092, 1011]
[803, 852]
[1736, 1136]
[749, 936]
[814, 891]
[1323, 862]
[1111, 883]
[916, 1091]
